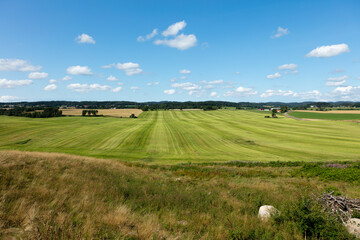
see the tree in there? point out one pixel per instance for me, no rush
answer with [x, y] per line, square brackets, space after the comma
[274, 111]
[84, 112]
[284, 109]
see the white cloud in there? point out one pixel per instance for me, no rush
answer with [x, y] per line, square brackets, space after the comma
[336, 83]
[79, 70]
[148, 36]
[241, 91]
[338, 70]
[120, 83]
[272, 76]
[153, 83]
[52, 81]
[8, 98]
[112, 78]
[174, 28]
[272, 92]
[329, 50]
[38, 75]
[183, 77]
[314, 94]
[181, 42]
[84, 38]
[66, 78]
[290, 66]
[129, 68]
[134, 88]
[4, 83]
[346, 90]
[245, 91]
[117, 89]
[338, 78]
[209, 87]
[186, 86]
[213, 94]
[237, 72]
[17, 65]
[173, 80]
[185, 71]
[216, 82]
[77, 87]
[169, 91]
[50, 87]
[280, 32]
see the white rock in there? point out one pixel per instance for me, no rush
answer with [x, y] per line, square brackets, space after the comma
[266, 211]
[353, 226]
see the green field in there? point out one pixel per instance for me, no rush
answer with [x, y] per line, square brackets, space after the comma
[186, 136]
[328, 116]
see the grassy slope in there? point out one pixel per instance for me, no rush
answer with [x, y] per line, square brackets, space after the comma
[183, 136]
[328, 116]
[58, 196]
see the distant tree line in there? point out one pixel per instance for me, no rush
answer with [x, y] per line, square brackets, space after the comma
[46, 112]
[165, 105]
[89, 113]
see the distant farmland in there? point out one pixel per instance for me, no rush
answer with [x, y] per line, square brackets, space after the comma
[105, 112]
[330, 115]
[186, 136]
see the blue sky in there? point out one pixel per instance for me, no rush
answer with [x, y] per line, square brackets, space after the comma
[254, 51]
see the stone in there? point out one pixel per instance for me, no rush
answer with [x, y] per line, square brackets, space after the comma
[266, 211]
[353, 226]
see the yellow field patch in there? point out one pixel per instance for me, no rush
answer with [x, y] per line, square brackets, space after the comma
[105, 112]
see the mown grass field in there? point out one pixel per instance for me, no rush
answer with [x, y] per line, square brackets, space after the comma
[59, 196]
[325, 115]
[186, 136]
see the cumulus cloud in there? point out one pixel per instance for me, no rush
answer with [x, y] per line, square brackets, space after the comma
[79, 70]
[153, 83]
[329, 50]
[134, 88]
[66, 78]
[272, 76]
[188, 86]
[335, 83]
[8, 98]
[185, 71]
[338, 78]
[281, 32]
[213, 94]
[314, 94]
[129, 68]
[112, 78]
[4, 83]
[148, 36]
[272, 92]
[173, 29]
[50, 87]
[169, 91]
[117, 89]
[216, 82]
[38, 75]
[290, 66]
[241, 91]
[181, 42]
[52, 81]
[173, 80]
[84, 38]
[17, 65]
[77, 87]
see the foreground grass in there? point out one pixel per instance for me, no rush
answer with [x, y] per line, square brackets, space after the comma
[58, 196]
[186, 136]
[327, 116]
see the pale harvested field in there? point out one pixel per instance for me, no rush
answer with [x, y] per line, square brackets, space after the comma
[105, 112]
[333, 111]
